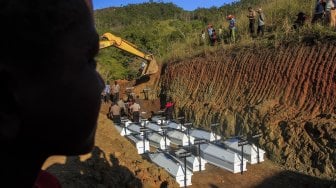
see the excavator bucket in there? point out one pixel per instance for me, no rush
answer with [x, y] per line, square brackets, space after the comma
[151, 68]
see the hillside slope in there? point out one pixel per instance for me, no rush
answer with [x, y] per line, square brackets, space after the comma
[287, 93]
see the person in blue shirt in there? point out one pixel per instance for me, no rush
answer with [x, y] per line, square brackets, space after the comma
[232, 27]
[107, 92]
[319, 11]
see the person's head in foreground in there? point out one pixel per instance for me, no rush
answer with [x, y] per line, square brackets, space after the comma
[50, 90]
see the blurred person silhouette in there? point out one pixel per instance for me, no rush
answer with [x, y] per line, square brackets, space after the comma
[202, 41]
[169, 109]
[331, 12]
[210, 34]
[300, 20]
[115, 91]
[107, 92]
[114, 113]
[122, 106]
[261, 22]
[319, 11]
[214, 37]
[50, 89]
[232, 28]
[251, 16]
[135, 111]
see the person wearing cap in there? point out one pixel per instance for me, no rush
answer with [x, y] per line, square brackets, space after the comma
[261, 22]
[210, 33]
[232, 27]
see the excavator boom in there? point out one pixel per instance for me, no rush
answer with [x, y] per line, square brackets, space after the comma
[111, 40]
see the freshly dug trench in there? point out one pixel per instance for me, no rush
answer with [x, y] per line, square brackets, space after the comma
[287, 93]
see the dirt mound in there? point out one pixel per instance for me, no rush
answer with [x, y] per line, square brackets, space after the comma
[287, 93]
[148, 83]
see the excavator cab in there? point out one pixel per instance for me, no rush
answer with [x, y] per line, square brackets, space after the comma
[150, 67]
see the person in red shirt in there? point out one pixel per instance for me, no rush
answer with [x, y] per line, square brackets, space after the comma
[169, 108]
[50, 89]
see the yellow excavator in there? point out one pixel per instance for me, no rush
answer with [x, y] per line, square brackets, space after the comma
[108, 39]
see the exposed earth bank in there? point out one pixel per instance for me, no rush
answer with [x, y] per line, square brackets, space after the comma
[286, 93]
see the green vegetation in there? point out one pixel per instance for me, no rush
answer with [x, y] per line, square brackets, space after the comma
[171, 33]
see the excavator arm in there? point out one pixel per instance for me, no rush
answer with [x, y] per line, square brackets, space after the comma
[108, 39]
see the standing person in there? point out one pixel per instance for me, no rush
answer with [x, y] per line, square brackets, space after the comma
[300, 20]
[210, 32]
[220, 33]
[251, 16]
[63, 44]
[169, 108]
[261, 22]
[135, 111]
[202, 38]
[107, 92]
[331, 12]
[122, 106]
[115, 92]
[142, 67]
[232, 27]
[214, 37]
[319, 11]
[114, 112]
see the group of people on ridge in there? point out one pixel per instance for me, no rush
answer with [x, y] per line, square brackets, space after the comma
[212, 35]
[253, 18]
[325, 11]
